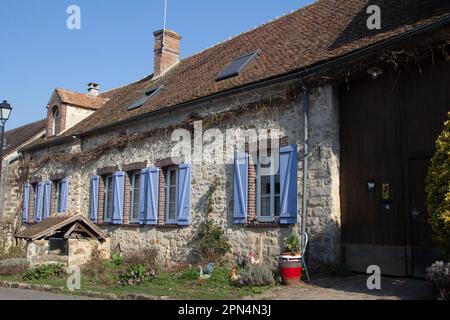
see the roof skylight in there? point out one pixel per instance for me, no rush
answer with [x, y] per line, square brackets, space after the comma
[145, 97]
[236, 67]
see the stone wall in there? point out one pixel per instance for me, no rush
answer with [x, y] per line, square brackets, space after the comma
[174, 244]
[79, 252]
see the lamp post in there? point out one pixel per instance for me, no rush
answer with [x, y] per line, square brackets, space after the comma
[5, 112]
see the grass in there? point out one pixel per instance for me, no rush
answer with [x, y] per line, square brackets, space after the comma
[170, 284]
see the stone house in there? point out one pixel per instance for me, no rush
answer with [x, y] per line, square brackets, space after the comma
[10, 184]
[110, 156]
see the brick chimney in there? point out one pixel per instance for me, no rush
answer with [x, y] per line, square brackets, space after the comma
[167, 54]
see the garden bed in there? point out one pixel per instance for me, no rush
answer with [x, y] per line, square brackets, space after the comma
[169, 285]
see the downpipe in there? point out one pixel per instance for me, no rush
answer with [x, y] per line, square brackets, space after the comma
[305, 156]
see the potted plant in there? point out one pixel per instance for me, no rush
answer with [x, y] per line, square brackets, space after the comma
[290, 261]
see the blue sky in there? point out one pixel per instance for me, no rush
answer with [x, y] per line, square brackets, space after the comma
[114, 46]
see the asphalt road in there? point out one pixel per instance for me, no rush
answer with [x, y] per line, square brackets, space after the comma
[19, 294]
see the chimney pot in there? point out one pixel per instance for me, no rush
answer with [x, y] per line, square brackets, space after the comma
[167, 50]
[93, 89]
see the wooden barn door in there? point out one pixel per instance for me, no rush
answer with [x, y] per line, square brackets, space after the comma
[388, 131]
[421, 251]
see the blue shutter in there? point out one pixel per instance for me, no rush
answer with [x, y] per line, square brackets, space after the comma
[64, 194]
[288, 182]
[143, 196]
[26, 202]
[39, 202]
[184, 195]
[240, 188]
[151, 217]
[118, 197]
[48, 197]
[93, 197]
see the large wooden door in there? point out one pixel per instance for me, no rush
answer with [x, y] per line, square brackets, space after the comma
[388, 130]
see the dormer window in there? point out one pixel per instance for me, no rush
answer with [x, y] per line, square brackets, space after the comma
[56, 121]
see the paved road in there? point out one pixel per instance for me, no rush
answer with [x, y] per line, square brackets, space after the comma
[19, 294]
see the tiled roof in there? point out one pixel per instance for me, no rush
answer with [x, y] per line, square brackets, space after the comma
[80, 99]
[52, 224]
[318, 33]
[19, 136]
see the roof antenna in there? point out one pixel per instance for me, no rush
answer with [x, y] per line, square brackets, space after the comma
[165, 22]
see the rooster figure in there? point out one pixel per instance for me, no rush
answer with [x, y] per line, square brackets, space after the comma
[254, 261]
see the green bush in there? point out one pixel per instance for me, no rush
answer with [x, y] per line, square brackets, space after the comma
[210, 244]
[45, 272]
[292, 244]
[117, 260]
[190, 274]
[256, 276]
[135, 275]
[438, 191]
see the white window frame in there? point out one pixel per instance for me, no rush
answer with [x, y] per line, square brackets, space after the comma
[271, 217]
[133, 195]
[108, 178]
[168, 181]
[56, 120]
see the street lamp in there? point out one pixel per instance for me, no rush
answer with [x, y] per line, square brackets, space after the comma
[5, 112]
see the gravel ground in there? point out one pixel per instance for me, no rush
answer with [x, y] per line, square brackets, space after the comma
[351, 288]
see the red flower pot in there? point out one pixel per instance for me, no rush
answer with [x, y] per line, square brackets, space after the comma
[291, 269]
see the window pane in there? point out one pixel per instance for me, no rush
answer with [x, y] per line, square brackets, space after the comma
[265, 185]
[135, 197]
[277, 206]
[109, 198]
[171, 190]
[265, 206]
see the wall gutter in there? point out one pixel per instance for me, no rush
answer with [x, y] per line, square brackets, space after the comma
[287, 77]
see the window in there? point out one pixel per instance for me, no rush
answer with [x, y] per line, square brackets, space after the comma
[34, 186]
[171, 195]
[268, 205]
[58, 196]
[108, 198]
[144, 98]
[56, 122]
[236, 67]
[135, 181]
[44, 203]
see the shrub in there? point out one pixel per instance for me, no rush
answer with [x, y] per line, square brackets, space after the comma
[45, 272]
[438, 191]
[102, 271]
[12, 252]
[117, 260]
[256, 276]
[210, 244]
[12, 267]
[135, 275]
[292, 244]
[146, 257]
[190, 274]
[439, 276]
